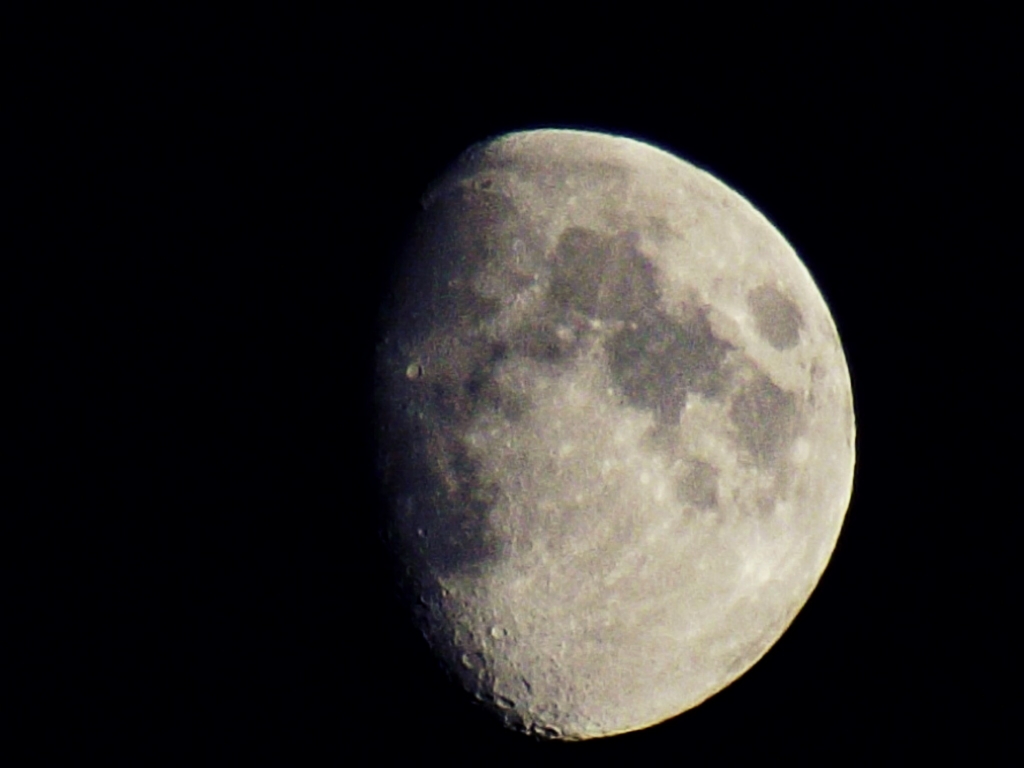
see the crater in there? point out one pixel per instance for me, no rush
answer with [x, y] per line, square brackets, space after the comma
[764, 416]
[776, 316]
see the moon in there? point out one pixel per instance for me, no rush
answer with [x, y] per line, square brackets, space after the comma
[616, 431]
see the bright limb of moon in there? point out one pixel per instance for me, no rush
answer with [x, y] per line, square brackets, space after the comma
[617, 431]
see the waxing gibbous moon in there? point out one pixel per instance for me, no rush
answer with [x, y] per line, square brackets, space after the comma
[616, 431]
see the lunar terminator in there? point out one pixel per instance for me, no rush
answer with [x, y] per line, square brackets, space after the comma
[616, 431]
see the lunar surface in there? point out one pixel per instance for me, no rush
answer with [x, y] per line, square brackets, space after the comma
[616, 431]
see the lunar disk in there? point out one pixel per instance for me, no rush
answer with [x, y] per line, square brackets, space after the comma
[616, 431]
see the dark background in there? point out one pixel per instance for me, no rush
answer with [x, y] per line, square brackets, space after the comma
[203, 214]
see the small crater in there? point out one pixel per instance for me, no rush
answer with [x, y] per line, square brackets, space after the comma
[472, 660]
[546, 731]
[777, 318]
[414, 371]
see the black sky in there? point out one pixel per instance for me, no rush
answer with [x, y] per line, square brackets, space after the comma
[204, 213]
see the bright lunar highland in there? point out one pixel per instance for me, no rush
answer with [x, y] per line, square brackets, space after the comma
[616, 431]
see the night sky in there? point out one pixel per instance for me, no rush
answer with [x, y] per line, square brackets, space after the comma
[204, 213]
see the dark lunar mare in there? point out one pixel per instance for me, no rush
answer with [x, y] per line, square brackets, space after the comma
[602, 277]
[655, 358]
[776, 316]
[659, 360]
[439, 498]
[765, 417]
